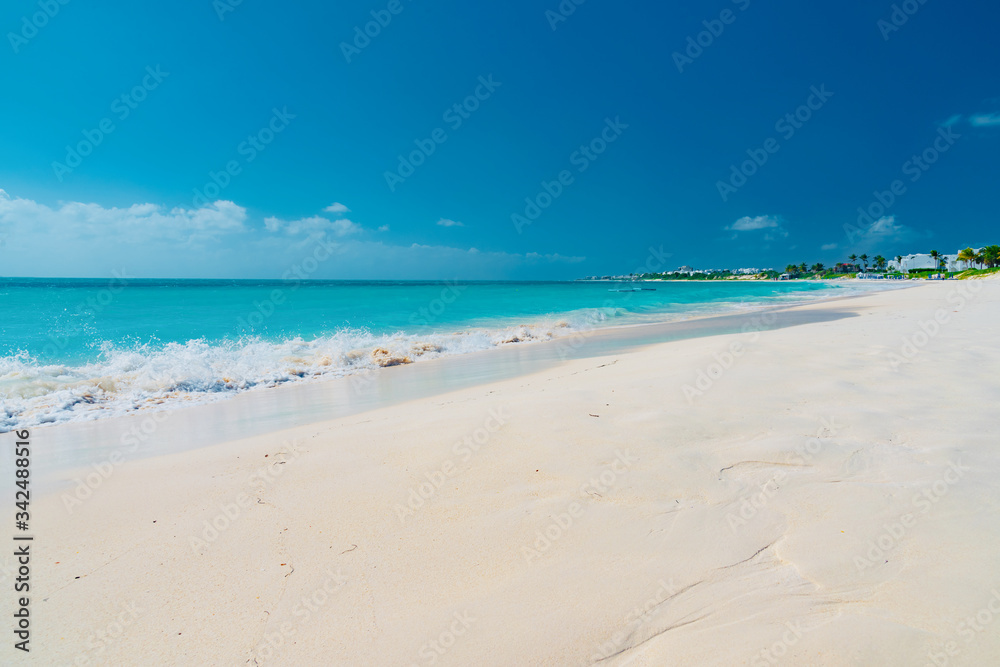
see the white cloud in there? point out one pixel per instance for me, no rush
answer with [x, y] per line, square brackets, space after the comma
[829, 246]
[134, 224]
[761, 222]
[336, 208]
[885, 234]
[313, 226]
[746, 223]
[445, 222]
[985, 119]
[345, 227]
[886, 227]
[218, 240]
[556, 257]
[383, 228]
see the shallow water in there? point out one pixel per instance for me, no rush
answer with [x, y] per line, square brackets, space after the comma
[84, 350]
[73, 449]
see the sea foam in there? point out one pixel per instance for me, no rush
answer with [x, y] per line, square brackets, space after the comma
[125, 379]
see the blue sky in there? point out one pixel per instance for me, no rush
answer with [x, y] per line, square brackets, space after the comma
[309, 130]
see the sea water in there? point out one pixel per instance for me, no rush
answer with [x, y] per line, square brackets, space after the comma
[73, 349]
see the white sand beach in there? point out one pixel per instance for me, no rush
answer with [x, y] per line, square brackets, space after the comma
[821, 494]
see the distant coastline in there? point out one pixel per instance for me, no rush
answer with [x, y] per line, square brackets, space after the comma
[964, 264]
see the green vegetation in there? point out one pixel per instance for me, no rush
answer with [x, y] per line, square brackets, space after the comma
[972, 273]
[986, 261]
[969, 255]
[991, 256]
[987, 258]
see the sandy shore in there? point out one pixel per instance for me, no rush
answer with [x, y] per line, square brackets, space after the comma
[823, 494]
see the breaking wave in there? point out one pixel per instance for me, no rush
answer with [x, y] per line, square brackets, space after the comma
[124, 379]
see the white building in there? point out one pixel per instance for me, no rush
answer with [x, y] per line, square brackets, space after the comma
[925, 261]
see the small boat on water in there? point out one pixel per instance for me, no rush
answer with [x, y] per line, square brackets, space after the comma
[632, 289]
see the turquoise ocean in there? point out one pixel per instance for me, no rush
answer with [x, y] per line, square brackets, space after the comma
[74, 350]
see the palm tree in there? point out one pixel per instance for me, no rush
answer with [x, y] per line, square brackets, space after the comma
[968, 255]
[817, 267]
[899, 262]
[879, 262]
[803, 268]
[935, 255]
[991, 255]
[864, 259]
[853, 258]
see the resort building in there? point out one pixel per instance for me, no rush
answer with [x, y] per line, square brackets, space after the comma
[847, 268]
[925, 261]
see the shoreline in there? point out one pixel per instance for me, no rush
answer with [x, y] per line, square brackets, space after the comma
[96, 390]
[148, 433]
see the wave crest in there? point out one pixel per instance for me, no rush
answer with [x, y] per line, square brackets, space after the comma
[154, 377]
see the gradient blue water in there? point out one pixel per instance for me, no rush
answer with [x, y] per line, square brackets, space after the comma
[67, 321]
[86, 349]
